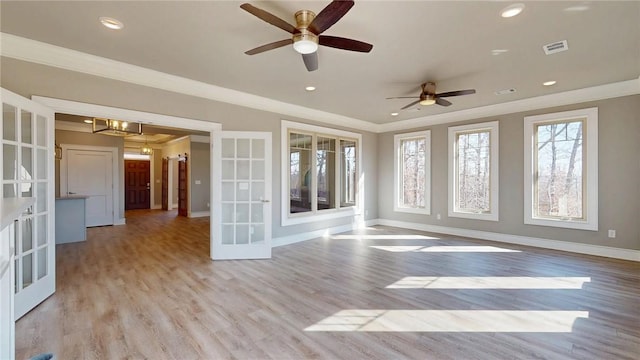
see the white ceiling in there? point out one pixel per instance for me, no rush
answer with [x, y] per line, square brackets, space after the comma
[448, 42]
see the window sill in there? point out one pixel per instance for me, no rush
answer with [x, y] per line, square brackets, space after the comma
[420, 211]
[474, 216]
[567, 224]
[322, 215]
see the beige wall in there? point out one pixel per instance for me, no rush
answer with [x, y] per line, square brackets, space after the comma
[619, 177]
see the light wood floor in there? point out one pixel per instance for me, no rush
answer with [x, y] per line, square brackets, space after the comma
[148, 290]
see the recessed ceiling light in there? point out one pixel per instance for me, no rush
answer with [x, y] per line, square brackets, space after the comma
[496, 52]
[512, 10]
[394, 114]
[310, 88]
[88, 121]
[111, 23]
[577, 8]
[549, 83]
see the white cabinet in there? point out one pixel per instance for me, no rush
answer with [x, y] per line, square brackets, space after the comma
[10, 210]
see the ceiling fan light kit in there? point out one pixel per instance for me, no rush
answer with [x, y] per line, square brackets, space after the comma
[306, 34]
[428, 96]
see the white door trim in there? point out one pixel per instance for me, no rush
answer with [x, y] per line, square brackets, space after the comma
[115, 172]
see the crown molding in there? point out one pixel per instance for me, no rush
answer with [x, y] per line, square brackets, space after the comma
[50, 55]
[20, 48]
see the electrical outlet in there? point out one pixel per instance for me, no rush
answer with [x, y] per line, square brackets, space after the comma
[612, 234]
[207, 204]
[438, 217]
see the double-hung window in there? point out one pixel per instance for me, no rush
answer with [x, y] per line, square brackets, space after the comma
[473, 171]
[412, 172]
[561, 169]
[320, 173]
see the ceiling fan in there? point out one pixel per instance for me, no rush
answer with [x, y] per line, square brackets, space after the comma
[428, 96]
[306, 34]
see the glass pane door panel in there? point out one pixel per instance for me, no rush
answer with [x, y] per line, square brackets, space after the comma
[26, 172]
[257, 149]
[41, 162]
[228, 191]
[41, 197]
[9, 118]
[242, 192]
[27, 234]
[242, 234]
[41, 223]
[9, 190]
[257, 233]
[26, 189]
[228, 169]
[228, 234]
[41, 130]
[27, 270]
[228, 148]
[243, 169]
[257, 213]
[257, 169]
[242, 213]
[27, 127]
[257, 190]
[244, 148]
[42, 263]
[228, 212]
[9, 162]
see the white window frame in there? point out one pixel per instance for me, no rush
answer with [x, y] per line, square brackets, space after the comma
[398, 175]
[492, 127]
[590, 192]
[286, 218]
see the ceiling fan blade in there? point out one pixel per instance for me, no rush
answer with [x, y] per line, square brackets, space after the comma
[311, 61]
[442, 102]
[344, 43]
[271, 46]
[269, 17]
[457, 93]
[410, 105]
[329, 16]
[403, 97]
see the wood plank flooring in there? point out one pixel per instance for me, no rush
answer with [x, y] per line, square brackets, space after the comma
[148, 290]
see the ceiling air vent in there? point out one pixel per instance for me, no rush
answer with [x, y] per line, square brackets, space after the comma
[556, 47]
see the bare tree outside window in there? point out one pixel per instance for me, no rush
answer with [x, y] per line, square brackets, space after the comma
[473, 167]
[413, 152]
[558, 179]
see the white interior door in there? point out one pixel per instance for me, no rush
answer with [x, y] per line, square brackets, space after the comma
[241, 188]
[28, 171]
[90, 173]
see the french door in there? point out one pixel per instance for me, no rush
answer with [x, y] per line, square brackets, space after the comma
[241, 212]
[28, 171]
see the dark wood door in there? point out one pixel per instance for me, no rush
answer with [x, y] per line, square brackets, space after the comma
[137, 174]
[182, 187]
[165, 184]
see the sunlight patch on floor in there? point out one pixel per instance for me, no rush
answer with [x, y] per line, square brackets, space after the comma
[419, 248]
[363, 320]
[489, 282]
[382, 237]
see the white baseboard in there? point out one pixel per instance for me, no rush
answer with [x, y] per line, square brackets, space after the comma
[156, 207]
[197, 214]
[292, 239]
[598, 250]
[121, 221]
